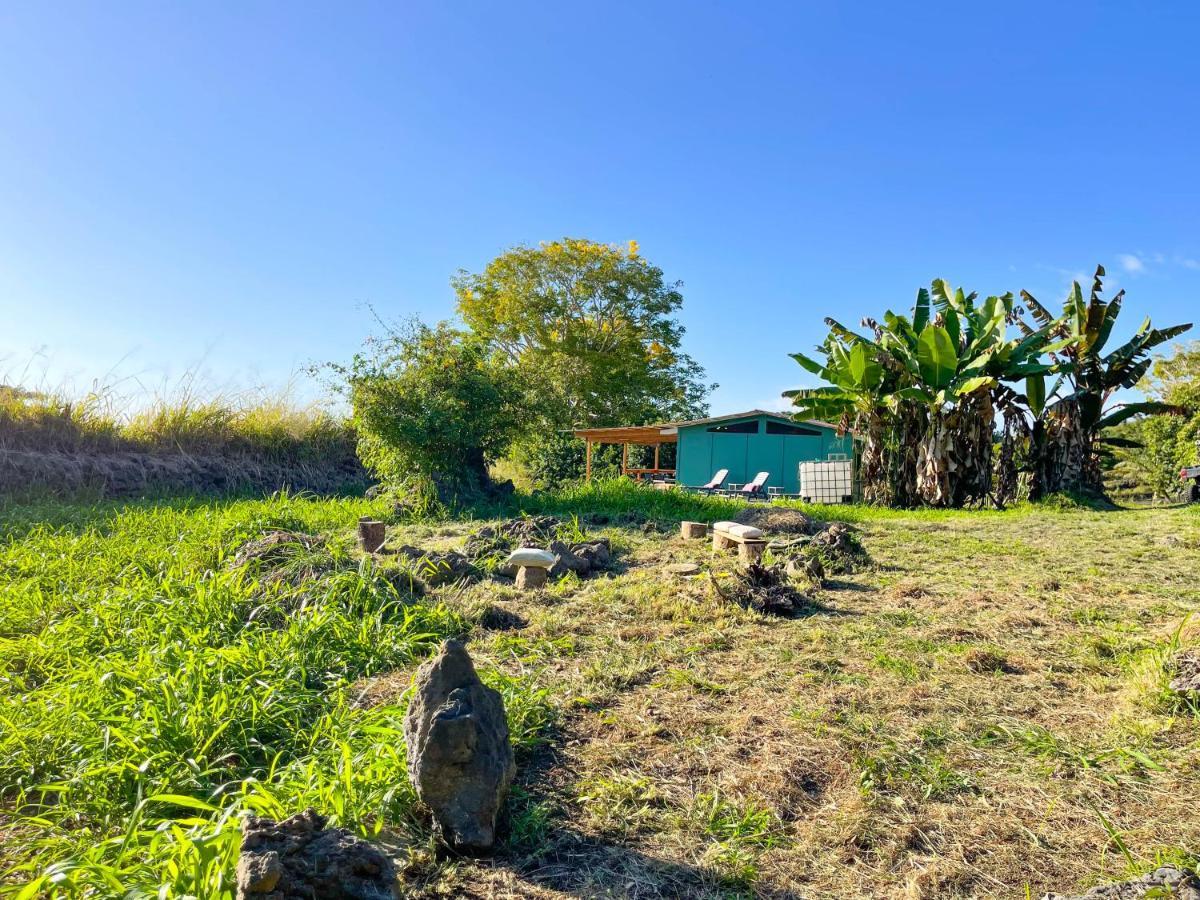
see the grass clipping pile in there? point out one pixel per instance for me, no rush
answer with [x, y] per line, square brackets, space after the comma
[807, 553]
[764, 589]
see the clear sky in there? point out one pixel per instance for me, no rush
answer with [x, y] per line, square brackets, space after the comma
[229, 185]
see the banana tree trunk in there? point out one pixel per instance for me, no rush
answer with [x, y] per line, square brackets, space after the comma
[873, 462]
[911, 423]
[1067, 453]
[1007, 478]
[954, 462]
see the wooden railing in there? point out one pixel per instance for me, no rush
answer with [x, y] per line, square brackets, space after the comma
[650, 474]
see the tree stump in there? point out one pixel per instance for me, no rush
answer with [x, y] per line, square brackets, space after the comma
[751, 551]
[692, 530]
[530, 578]
[371, 534]
[722, 542]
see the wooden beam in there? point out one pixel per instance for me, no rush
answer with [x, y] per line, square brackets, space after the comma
[656, 456]
[588, 459]
[624, 459]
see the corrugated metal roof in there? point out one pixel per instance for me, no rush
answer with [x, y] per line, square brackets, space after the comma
[665, 432]
[746, 415]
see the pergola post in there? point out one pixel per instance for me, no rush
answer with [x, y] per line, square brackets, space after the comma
[626, 435]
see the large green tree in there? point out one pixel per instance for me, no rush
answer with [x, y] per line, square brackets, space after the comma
[1175, 379]
[592, 330]
[1159, 445]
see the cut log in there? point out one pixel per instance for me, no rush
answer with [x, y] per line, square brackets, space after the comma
[751, 551]
[371, 534]
[692, 530]
[722, 542]
[530, 578]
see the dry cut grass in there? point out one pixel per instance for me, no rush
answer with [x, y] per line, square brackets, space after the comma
[980, 713]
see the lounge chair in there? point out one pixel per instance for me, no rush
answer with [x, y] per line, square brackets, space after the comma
[715, 484]
[756, 488]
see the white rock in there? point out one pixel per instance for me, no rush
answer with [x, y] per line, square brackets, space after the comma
[734, 529]
[531, 556]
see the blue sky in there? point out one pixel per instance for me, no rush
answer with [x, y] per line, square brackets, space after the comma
[226, 187]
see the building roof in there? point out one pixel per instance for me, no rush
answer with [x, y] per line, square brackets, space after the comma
[668, 432]
[628, 434]
[744, 415]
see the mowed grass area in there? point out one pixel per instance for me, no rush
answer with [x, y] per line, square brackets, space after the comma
[980, 712]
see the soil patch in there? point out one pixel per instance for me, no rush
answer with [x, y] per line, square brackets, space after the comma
[776, 520]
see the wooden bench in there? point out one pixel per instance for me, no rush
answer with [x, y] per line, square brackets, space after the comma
[748, 540]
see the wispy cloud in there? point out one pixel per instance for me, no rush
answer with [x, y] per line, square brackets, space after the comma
[1131, 263]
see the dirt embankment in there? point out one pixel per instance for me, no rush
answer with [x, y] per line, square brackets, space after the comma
[130, 473]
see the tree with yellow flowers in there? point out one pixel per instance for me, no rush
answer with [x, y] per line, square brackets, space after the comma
[591, 330]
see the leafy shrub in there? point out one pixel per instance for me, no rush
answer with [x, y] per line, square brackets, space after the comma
[428, 403]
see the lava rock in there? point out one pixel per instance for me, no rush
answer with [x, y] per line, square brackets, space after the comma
[1165, 881]
[568, 561]
[803, 568]
[300, 858]
[1185, 668]
[460, 758]
[597, 554]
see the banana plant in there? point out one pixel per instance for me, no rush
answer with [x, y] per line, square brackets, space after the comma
[1075, 421]
[860, 393]
[927, 379]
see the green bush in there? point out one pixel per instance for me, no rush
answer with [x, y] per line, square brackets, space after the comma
[428, 404]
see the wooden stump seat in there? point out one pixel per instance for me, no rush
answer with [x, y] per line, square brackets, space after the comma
[748, 540]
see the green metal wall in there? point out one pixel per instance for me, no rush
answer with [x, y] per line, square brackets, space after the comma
[702, 452]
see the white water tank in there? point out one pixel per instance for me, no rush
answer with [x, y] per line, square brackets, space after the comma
[830, 481]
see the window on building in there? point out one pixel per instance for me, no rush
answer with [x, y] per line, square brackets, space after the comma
[781, 428]
[735, 428]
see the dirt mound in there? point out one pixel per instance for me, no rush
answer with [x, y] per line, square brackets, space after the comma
[301, 858]
[776, 520]
[491, 543]
[838, 548]
[524, 531]
[762, 588]
[134, 474]
[438, 567]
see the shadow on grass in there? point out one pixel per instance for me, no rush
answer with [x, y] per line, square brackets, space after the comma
[541, 848]
[841, 584]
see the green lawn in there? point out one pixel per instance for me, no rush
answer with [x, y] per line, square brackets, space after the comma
[980, 709]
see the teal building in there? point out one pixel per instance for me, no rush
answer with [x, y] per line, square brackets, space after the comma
[744, 443]
[753, 442]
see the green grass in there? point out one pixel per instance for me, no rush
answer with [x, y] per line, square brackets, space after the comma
[954, 718]
[151, 692]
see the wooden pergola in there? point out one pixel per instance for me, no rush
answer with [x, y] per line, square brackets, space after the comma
[641, 435]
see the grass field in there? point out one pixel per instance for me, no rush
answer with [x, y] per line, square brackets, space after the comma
[980, 711]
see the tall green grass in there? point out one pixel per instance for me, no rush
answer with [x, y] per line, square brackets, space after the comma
[624, 497]
[151, 692]
[268, 425]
